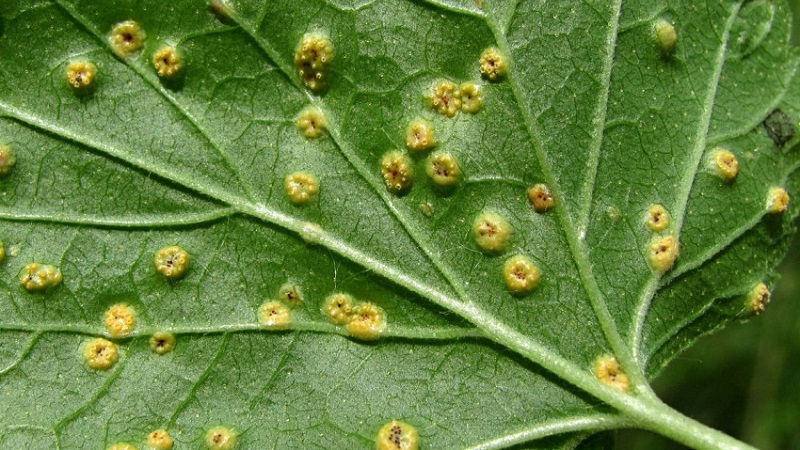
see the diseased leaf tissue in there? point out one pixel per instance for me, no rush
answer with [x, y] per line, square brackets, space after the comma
[389, 224]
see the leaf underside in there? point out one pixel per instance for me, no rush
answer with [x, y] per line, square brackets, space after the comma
[590, 106]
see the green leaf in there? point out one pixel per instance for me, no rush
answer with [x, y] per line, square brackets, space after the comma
[590, 106]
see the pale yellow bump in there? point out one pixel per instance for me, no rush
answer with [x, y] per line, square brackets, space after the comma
[290, 294]
[662, 253]
[171, 261]
[444, 98]
[725, 164]
[442, 169]
[367, 322]
[397, 435]
[312, 59]
[2, 251]
[311, 122]
[301, 187]
[119, 320]
[7, 160]
[220, 438]
[122, 446]
[426, 208]
[665, 35]
[39, 277]
[608, 371]
[311, 233]
[493, 64]
[398, 171]
[471, 97]
[520, 274]
[274, 315]
[657, 218]
[159, 440]
[162, 342]
[758, 298]
[777, 200]
[338, 307]
[81, 74]
[491, 232]
[419, 135]
[126, 38]
[540, 198]
[167, 62]
[100, 354]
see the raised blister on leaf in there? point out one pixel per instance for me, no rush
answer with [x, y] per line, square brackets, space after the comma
[119, 320]
[100, 354]
[662, 253]
[608, 371]
[311, 233]
[665, 35]
[520, 274]
[221, 10]
[274, 315]
[493, 64]
[777, 200]
[757, 299]
[444, 98]
[290, 294]
[159, 440]
[491, 232]
[171, 261]
[312, 59]
[540, 197]
[39, 277]
[7, 160]
[419, 135]
[724, 164]
[122, 446]
[311, 122]
[657, 218]
[442, 169]
[161, 342]
[301, 187]
[81, 74]
[167, 62]
[398, 171]
[397, 435]
[220, 438]
[338, 308]
[366, 322]
[471, 97]
[126, 38]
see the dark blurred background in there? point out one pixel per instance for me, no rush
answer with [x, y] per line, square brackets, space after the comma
[744, 380]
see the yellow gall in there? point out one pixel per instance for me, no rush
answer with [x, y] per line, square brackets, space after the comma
[540, 198]
[419, 135]
[37, 277]
[290, 294]
[81, 74]
[122, 446]
[311, 122]
[471, 97]
[442, 169]
[777, 200]
[757, 299]
[491, 232]
[100, 354]
[159, 440]
[220, 438]
[301, 187]
[444, 98]
[311, 233]
[338, 308]
[665, 35]
[662, 253]
[725, 164]
[2, 251]
[397, 435]
[312, 59]
[7, 160]
[520, 274]
[426, 208]
[367, 322]
[126, 38]
[171, 261]
[167, 62]
[161, 342]
[493, 64]
[657, 218]
[608, 371]
[119, 320]
[398, 171]
[274, 315]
